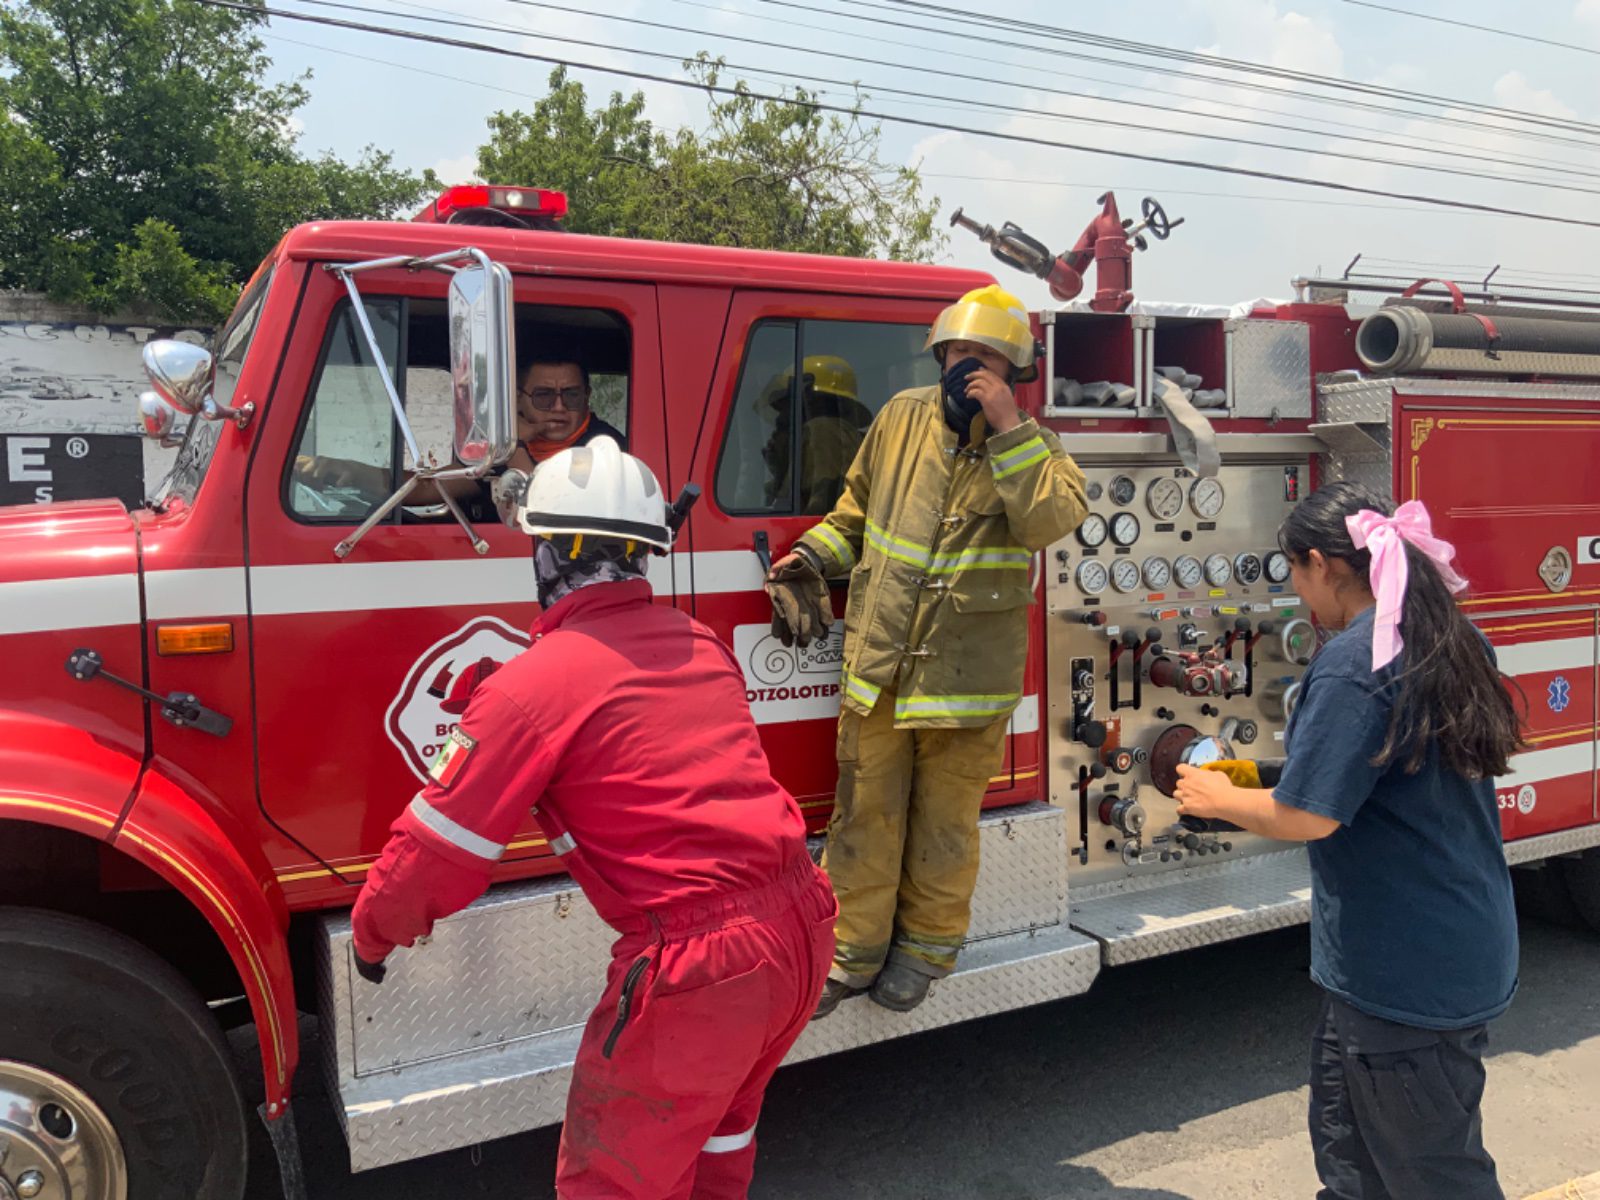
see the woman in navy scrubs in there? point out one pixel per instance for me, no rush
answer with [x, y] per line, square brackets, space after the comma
[1402, 726]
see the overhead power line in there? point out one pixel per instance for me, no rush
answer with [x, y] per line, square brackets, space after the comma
[1510, 33]
[969, 36]
[914, 122]
[1081, 37]
[885, 90]
[1066, 93]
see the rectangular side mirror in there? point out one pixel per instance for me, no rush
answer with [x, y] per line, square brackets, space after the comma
[482, 366]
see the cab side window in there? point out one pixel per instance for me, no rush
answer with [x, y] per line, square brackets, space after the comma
[807, 392]
[350, 453]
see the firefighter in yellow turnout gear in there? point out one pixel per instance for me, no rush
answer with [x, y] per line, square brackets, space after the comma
[950, 495]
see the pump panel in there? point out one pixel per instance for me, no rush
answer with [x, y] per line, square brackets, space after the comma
[1176, 638]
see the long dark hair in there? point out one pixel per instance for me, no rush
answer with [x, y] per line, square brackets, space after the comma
[1449, 691]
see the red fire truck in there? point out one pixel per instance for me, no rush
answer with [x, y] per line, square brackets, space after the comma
[216, 703]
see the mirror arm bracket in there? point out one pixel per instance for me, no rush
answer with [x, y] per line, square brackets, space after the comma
[342, 550]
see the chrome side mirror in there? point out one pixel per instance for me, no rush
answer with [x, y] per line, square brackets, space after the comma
[482, 363]
[158, 417]
[181, 374]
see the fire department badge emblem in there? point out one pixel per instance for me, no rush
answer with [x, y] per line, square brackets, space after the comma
[436, 689]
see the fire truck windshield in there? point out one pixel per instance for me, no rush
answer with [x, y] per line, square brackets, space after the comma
[229, 346]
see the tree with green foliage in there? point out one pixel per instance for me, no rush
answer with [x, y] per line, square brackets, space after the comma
[144, 157]
[772, 173]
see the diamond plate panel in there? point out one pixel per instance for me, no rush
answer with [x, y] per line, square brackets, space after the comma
[1270, 368]
[393, 1116]
[993, 977]
[1367, 401]
[1549, 845]
[1211, 904]
[1022, 874]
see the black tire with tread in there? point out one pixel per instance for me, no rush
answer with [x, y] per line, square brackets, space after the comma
[101, 1011]
[1582, 876]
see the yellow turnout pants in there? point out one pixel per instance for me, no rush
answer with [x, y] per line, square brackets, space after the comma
[902, 846]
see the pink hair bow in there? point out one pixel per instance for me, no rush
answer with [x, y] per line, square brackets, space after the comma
[1383, 537]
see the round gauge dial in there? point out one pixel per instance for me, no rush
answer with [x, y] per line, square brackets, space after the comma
[1247, 568]
[1125, 575]
[1206, 498]
[1277, 567]
[1123, 491]
[1125, 529]
[1164, 499]
[1219, 571]
[1188, 571]
[1092, 577]
[1157, 573]
[1092, 532]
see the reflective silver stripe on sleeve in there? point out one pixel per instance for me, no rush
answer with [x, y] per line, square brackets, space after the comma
[563, 844]
[729, 1142]
[456, 835]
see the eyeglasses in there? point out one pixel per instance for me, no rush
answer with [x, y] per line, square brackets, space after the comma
[544, 399]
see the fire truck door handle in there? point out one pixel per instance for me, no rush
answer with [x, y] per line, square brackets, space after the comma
[182, 709]
[763, 549]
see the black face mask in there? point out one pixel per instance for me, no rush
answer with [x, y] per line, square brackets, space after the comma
[959, 409]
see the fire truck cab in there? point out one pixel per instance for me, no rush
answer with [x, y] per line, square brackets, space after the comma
[219, 701]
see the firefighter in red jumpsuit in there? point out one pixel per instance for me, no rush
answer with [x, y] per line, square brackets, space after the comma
[625, 728]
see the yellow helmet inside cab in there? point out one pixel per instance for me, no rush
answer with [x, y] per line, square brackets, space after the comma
[993, 317]
[831, 375]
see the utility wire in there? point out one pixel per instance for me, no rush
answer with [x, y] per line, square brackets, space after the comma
[883, 90]
[1080, 37]
[964, 76]
[1521, 37]
[1143, 86]
[967, 36]
[260, 10]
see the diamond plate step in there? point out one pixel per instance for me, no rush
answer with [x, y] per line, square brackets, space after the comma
[473, 1034]
[1137, 919]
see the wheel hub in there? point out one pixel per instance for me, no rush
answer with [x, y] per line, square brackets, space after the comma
[55, 1142]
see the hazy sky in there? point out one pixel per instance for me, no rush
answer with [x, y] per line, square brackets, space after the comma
[1243, 238]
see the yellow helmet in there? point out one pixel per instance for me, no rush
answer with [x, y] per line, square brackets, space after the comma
[830, 374]
[993, 317]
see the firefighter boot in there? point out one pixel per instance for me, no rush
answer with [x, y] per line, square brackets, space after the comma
[834, 993]
[901, 986]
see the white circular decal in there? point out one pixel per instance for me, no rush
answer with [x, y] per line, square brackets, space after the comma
[1526, 799]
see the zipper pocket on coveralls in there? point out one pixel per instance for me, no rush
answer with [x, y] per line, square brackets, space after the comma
[625, 1003]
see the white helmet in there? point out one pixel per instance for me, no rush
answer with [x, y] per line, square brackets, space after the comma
[595, 489]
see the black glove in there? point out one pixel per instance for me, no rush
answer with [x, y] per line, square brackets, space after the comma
[372, 972]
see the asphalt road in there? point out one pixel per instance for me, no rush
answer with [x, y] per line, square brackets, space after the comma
[1178, 1078]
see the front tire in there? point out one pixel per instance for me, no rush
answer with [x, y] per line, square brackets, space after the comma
[115, 1081]
[1582, 875]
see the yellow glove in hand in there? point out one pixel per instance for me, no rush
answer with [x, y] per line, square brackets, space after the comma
[1242, 772]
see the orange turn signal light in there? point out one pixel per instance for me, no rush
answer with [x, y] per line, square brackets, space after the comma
[194, 639]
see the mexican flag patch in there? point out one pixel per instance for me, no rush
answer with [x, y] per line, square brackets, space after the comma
[452, 757]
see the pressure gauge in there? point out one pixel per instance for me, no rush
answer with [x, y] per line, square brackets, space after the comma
[1092, 577]
[1277, 567]
[1123, 491]
[1219, 571]
[1093, 530]
[1247, 568]
[1125, 575]
[1164, 499]
[1188, 570]
[1206, 498]
[1125, 529]
[1157, 573]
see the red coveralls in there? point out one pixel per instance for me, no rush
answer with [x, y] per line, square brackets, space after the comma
[626, 722]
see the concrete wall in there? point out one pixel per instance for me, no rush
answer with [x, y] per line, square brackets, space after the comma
[64, 371]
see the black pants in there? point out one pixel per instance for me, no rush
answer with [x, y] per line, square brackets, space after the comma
[1394, 1110]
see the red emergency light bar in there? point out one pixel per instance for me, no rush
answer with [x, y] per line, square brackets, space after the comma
[476, 203]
